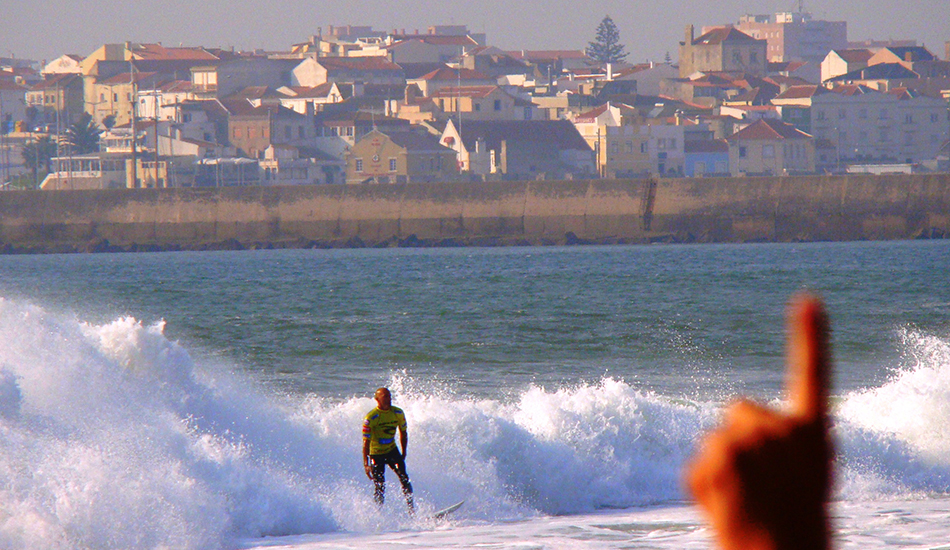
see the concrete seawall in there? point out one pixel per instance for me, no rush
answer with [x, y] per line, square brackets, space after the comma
[850, 207]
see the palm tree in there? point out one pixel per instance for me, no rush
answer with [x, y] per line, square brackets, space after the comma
[37, 154]
[83, 136]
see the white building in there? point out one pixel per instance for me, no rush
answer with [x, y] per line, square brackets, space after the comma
[866, 124]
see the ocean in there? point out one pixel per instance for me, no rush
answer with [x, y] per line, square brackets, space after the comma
[214, 400]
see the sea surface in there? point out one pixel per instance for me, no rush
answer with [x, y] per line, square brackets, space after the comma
[214, 400]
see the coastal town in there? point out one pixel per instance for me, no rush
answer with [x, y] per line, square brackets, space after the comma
[766, 95]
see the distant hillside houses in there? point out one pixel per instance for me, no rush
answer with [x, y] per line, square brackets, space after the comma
[777, 94]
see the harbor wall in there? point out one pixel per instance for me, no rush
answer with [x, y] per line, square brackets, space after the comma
[851, 207]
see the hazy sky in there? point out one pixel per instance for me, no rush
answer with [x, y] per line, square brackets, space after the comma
[45, 29]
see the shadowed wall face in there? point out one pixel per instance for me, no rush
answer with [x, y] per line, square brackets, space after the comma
[543, 212]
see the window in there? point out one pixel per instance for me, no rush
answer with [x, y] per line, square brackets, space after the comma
[359, 165]
[753, 57]
[478, 106]
[497, 104]
[643, 147]
[737, 57]
[820, 115]
[768, 151]
[301, 133]
[614, 147]
[908, 118]
[392, 165]
[934, 118]
[286, 132]
[742, 152]
[629, 146]
[115, 97]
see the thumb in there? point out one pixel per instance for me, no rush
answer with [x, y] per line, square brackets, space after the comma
[809, 359]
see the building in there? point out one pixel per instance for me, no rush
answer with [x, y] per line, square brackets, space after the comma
[292, 165]
[870, 125]
[795, 36]
[843, 61]
[520, 150]
[253, 129]
[722, 49]
[57, 97]
[64, 64]
[484, 103]
[12, 105]
[347, 70]
[771, 147]
[706, 158]
[444, 77]
[400, 157]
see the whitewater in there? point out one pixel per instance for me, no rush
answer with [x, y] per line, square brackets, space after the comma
[113, 435]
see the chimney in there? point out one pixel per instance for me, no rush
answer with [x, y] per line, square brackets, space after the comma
[908, 57]
[610, 72]
[330, 30]
[689, 34]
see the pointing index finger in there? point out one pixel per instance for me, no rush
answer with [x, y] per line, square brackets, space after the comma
[809, 359]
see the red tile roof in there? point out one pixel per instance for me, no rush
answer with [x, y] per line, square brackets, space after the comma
[801, 92]
[855, 56]
[447, 73]
[125, 78]
[159, 52]
[375, 63]
[466, 91]
[720, 35]
[8, 85]
[547, 55]
[706, 146]
[768, 130]
[56, 80]
[851, 89]
[591, 116]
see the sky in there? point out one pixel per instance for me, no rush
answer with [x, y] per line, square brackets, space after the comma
[45, 29]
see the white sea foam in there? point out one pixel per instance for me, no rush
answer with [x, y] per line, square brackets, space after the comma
[112, 437]
[895, 439]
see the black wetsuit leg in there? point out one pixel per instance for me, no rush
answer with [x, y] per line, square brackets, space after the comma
[394, 460]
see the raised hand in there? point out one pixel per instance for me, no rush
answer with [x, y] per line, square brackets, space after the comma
[763, 478]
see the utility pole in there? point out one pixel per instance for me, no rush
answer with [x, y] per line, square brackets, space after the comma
[155, 96]
[135, 175]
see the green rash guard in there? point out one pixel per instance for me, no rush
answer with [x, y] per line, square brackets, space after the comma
[380, 428]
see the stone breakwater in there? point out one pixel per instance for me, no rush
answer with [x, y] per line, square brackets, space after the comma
[781, 209]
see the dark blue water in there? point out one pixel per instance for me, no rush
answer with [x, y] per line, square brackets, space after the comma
[703, 320]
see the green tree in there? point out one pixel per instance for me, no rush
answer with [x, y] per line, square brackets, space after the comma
[606, 47]
[83, 136]
[37, 154]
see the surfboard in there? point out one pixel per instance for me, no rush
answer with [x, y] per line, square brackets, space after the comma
[446, 511]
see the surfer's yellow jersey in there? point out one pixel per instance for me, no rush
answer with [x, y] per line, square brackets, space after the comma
[380, 428]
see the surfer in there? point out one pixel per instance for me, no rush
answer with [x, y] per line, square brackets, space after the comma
[763, 478]
[379, 446]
